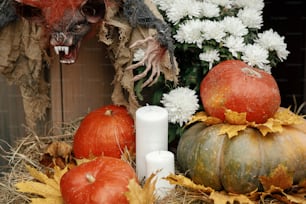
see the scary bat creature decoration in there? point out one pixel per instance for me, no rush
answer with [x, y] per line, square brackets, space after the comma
[68, 22]
[7, 13]
[124, 26]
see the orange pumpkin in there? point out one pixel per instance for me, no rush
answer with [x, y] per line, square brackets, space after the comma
[234, 85]
[101, 181]
[105, 131]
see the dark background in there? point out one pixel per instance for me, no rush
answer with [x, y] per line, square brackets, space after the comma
[288, 18]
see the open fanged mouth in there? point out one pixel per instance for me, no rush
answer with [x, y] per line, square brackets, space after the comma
[67, 54]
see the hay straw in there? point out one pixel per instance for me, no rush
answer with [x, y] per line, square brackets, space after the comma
[28, 150]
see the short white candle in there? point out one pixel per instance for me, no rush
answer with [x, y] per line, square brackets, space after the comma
[161, 163]
[151, 134]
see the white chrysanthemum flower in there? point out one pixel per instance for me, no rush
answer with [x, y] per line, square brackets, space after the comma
[267, 68]
[250, 17]
[181, 103]
[234, 44]
[138, 55]
[212, 30]
[223, 3]
[210, 56]
[255, 4]
[272, 41]
[209, 10]
[182, 8]
[255, 55]
[190, 32]
[163, 4]
[234, 26]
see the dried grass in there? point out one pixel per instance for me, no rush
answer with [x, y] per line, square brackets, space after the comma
[28, 150]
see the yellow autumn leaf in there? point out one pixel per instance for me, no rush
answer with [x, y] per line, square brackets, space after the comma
[41, 177]
[141, 195]
[203, 117]
[38, 189]
[286, 117]
[54, 200]
[58, 173]
[222, 198]
[183, 181]
[235, 118]
[231, 130]
[236, 122]
[271, 125]
[47, 188]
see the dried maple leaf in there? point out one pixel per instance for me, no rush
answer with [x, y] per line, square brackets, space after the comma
[279, 177]
[47, 188]
[183, 181]
[59, 149]
[237, 122]
[222, 198]
[279, 194]
[235, 118]
[231, 130]
[141, 195]
[203, 117]
[302, 183]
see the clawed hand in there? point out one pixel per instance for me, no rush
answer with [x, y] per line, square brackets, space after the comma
[152, 59]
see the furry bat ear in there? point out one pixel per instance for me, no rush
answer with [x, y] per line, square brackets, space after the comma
[93, 10]
[29, 12]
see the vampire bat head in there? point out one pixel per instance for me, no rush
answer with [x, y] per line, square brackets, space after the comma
[65, 22]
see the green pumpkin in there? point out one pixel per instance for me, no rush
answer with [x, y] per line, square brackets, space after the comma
[236, 164]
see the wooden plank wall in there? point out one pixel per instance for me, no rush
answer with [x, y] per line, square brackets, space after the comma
[75, 90]
[79, 88]
[11, 115]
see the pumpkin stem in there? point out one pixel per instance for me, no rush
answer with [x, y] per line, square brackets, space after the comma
[108, 112]
[90, 178]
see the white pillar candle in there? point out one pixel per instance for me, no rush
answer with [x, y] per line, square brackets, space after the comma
[151, 134]
[161, 163]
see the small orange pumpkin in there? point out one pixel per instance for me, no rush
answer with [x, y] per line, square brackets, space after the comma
[105, 131]
[101, 181]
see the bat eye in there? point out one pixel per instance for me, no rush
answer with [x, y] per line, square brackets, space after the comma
[93, 11]
[78, 27]
[89, 11]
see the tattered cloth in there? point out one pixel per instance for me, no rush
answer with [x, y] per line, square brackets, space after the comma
[21, 62]
[118, 35]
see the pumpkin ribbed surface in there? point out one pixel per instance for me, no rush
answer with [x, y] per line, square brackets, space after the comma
[235, 164]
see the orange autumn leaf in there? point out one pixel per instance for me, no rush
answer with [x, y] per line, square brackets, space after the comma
[141, 195]
[279, 177]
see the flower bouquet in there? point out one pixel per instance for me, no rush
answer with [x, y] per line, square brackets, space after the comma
[207, 32]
